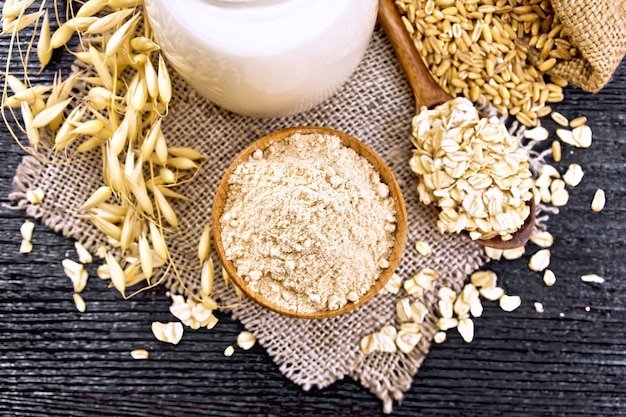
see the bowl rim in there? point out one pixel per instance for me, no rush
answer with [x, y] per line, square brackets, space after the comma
[365, 151]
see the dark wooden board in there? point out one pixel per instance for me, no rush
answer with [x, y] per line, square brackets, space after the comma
[569, 360]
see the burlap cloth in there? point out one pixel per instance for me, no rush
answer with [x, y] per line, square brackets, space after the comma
[376, 106]
[598, 30]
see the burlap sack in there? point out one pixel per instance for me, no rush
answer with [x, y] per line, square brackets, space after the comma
[598, 30]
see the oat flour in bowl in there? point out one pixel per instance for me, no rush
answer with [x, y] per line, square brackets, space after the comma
[308, 223]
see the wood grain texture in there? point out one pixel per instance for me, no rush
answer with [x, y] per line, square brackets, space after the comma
[569, 360]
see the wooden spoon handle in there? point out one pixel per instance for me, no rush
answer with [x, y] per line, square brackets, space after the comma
[425, 89]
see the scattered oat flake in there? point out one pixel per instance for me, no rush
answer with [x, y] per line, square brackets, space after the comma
[446, 310]
[439, 337]
[509, 303]
[139, 354]
[79, 302]
[406, 341]
[493, 253]
[566, 136]
[393, 285]
[447, 323]
[592, 278]
[582, 136]
[492, 294]
[83, 254]
[574, 175]
[476, 308]
[549, 171]
[26, 230]
[484, 279]
[447, 293]
[35, 196]
[559, 197]
[26, 246]
[171, 332]
[71, 266]
[540, 260]
[538, 307]
[385, 342]
[229, 351]
[423, 248]
[466, 329]
[542, 239]
[538, 133]
[211, 322]
[515, 253]
[599, 200]
[549, 278]
[246, 340]
[101, 251]
[103, 272]
[403, 309]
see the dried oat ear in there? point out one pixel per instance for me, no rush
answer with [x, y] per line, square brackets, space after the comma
[128, 91]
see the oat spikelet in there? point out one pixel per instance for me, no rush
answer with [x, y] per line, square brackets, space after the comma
[115, 176]
[98, 197]
[91, 8]
[143, 45]
[125, 4]
[128, 230]
[167, 192]
[61, 36]
[107, 227]
[158, 241]
[207, 278]
[141, 195]
[166, 209]
[165, 84]
[31, 94]
[98, 61]
[145, 256]
[180, 162]
[117, 273]
[119, 138]
[117, 39]
[32, 133]
[185, 152]
[149, 143]
[44, 49]
[160, 148]
[21, 22]
[108, 22]
[138, 92]
[152, 82]
[204, 246]
[15, 84]
[49, 114]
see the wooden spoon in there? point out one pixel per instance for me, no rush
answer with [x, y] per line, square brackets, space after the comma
[428, 93]
[360, 148]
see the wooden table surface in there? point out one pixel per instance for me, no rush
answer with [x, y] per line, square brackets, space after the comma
[569, 360]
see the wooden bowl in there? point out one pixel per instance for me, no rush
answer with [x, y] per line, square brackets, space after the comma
[386, 176]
